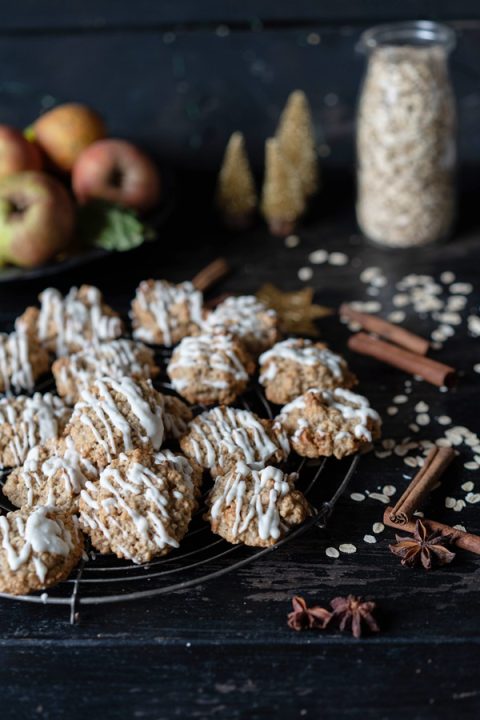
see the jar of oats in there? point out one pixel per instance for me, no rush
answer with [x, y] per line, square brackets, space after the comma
[406, 126]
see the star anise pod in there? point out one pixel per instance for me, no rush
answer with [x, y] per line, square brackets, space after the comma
[423, 547]
[304, 618]
[352, 612]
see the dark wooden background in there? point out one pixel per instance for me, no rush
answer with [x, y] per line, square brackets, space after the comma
[178, 77]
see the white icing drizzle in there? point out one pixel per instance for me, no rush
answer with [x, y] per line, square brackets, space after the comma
[215, 354]
[247, 488]
[113, 359]
[160, 299]
[111, 418]
[151, 525]
[15, 367]
[353, 408]
[41, 534]
[64, 465]
[301, 352]
[74, 318]
[242, 316]
[35, 420]
[219, 434]
[180, 463]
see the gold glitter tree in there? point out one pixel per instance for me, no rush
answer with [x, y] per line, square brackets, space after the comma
[297, 140]
[236, 197]
[282, 197]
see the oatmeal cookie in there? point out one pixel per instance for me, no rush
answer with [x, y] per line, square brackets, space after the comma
[22, 361]
[176, 416]
[210, 369]
[39, 547]
[113, 359]
[220, 437]
[248, 319]
[295, 365]
[255, 507]
[53, 474]
[187, 467]
[64, 325]
[26, 422]
[139, 509]
[164, 313]
[329, 422]
[115, 416]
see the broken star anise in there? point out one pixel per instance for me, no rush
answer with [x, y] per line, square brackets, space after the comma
[423, 547]
[352, 612]
[304, 618]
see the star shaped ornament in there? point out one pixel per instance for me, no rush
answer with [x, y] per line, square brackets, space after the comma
[296, 310]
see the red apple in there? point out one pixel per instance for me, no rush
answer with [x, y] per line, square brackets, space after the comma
[16, 152]
[116, 171]
[63, 132]
[36, 218]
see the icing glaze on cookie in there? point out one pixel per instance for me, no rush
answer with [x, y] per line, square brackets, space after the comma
[303, 352]
[16, 371]
[246, 317]
[159, 298]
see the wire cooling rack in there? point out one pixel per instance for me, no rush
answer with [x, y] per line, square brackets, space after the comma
[202, 556]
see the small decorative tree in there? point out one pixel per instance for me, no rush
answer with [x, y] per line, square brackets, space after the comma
[297, 140]
[236, 197]
[282, 197]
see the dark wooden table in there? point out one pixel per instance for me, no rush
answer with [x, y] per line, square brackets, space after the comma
[223, 649]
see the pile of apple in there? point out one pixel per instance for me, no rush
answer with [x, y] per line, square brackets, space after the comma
[62, 160]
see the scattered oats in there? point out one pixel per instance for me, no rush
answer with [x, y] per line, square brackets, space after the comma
[471, 441]
[438, 336]
[401, 450]
[380, 497]
[379, 281]
[421, 407]
[456, 302]
[450, 318]
[367, 275]
[462, 288]
[388, 443]
[369, 539]
[305, 274]
[443, 389]
[292, 241]
[471, 465]
[389, 490]
[444, 420]
[347, 548]
[378, 527]
[401, 300]
[332, 552]
[337, 258]
[468, 486]
[358, 497]
[413, 427]
[423, 419]
[473, 322]
[400, 399]
[354, 326]
[371, 306]
[447, 277]
[383, 453]
[476, 368]
[317, 257]
[443, 442]
[411, 462]
[450, 502]
[459, 527]
[397, 316]
[459, 505]
[392, 410]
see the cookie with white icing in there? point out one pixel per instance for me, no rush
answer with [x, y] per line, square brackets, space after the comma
[139, 509]
[255, 507]
[330, 422]
[52, 474]
[210, 369]
[64, 325]
[114, 359]
[293, 366]
[115, 416]
[188, 468]
[163, 313]
[22, 361]
[220, 437]
[26, 422]
[249, 319]
[39, 547]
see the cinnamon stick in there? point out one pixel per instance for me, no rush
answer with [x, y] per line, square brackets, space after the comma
[389, 331]
[213, 302]
[430, 370]
[435, 464]
[211, 274]
[463, 540]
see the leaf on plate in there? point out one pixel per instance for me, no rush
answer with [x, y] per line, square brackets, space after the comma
[107, 226]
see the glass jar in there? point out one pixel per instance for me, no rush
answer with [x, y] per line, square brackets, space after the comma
[406, 135]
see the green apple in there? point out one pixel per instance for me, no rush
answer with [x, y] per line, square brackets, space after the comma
[36, 218]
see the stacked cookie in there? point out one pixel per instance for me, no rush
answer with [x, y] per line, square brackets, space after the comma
[113, 458]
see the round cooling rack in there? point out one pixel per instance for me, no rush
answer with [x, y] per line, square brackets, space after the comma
[202, 556]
